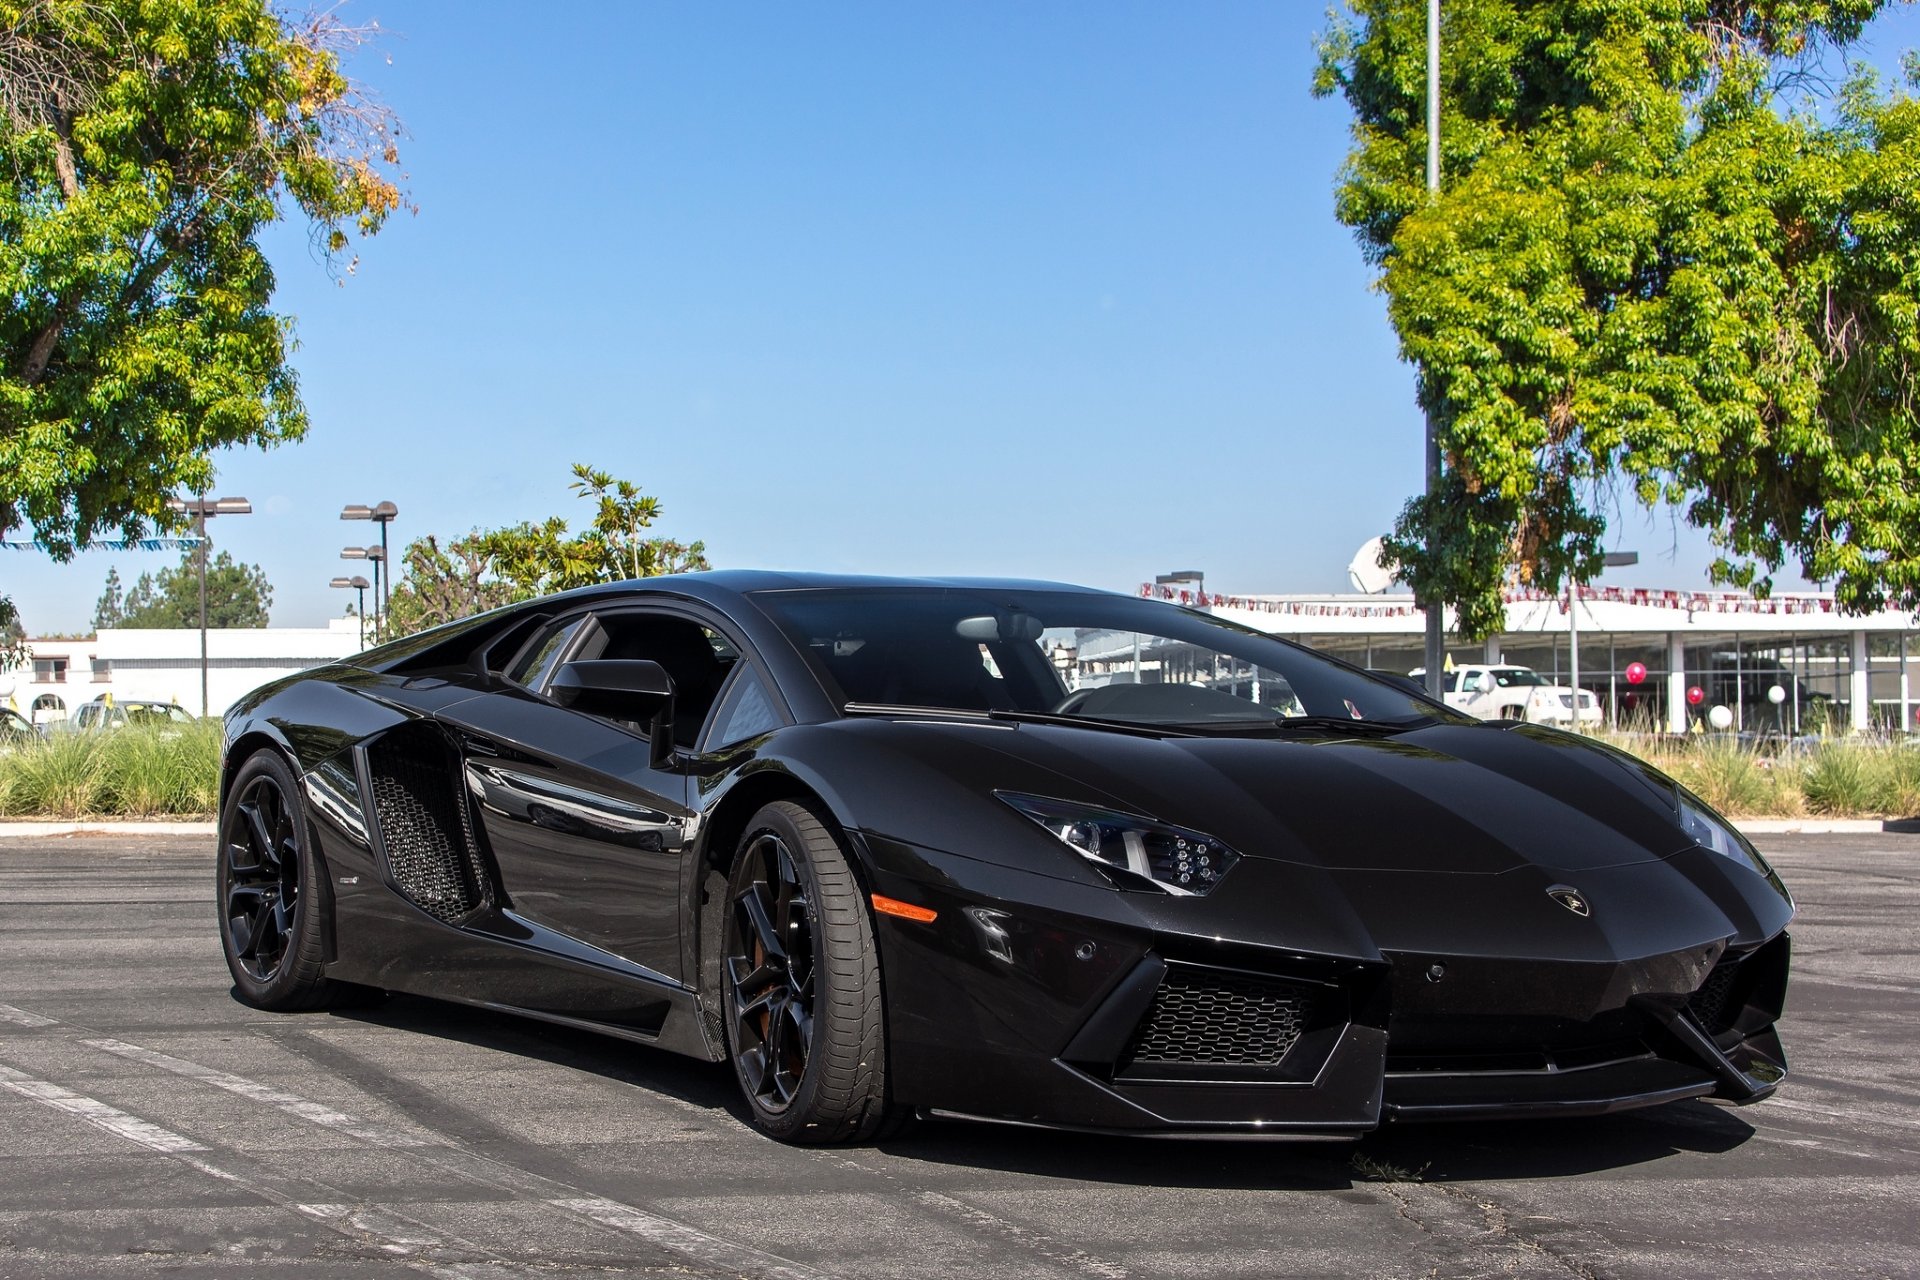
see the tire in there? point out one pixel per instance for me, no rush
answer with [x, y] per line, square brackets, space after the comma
[800, 981]
[270, 903]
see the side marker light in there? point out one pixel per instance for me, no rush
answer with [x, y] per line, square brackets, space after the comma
[905, 910]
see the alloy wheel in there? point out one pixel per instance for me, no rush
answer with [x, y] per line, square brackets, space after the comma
[262, 891]
[771, 972]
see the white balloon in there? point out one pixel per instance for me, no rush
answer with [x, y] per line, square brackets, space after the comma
[1776, 695]
[1720, 718]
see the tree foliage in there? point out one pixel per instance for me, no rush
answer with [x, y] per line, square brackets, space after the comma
[1666, 268]
[238, 595]
[146, 144]
[111, 607]
[485, 569]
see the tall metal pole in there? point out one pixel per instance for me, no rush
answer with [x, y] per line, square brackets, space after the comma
[386, 586]
[1573, 647]
[201, 508]
[1434, 609]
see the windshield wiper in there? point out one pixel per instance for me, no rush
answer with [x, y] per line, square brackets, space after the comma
[1346, 724]
[1019, 717]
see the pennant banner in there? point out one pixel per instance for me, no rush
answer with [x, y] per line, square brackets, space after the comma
[1693, 601]
[113, 544]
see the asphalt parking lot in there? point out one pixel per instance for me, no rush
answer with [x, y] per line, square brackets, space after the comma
[150, 1123]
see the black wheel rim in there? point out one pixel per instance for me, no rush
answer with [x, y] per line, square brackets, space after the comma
[262, 852]
[770, 970]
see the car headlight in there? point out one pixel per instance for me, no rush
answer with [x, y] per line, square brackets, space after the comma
[1134, 852]
[1710, 831]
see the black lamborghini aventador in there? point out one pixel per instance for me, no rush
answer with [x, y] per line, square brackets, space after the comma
[1000, 850]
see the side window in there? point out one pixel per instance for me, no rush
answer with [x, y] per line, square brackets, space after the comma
[696, 656]
[532, 667]
[746, 712]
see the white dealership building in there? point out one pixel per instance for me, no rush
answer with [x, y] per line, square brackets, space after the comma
[164, 665]
[1661, 660]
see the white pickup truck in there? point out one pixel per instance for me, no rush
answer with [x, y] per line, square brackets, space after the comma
[1497, 692]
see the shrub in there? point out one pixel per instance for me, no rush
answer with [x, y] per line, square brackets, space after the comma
[159, 771]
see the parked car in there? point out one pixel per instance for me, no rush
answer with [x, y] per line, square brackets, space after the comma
[1500, 692]
[888, 847]
[118, 713]
[14, 728]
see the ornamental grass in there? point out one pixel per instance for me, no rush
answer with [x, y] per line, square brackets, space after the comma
[162, 771]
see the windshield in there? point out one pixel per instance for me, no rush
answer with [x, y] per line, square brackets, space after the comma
[1083, 655]
[1509, 677]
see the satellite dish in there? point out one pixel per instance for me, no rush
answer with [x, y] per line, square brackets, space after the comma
[1365, 572]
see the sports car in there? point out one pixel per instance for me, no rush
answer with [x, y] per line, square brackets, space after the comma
[996, 850]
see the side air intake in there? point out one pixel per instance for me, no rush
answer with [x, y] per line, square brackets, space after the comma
[425, 829]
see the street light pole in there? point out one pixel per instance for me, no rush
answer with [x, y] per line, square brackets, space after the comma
[382, 514]
[379, 556]
[359, 585]
[203, 510]
[1435, 611]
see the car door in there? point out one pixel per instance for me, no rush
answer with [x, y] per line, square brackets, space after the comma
[587, 823]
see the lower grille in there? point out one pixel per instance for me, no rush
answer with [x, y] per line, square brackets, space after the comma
[1712, 1004]
[424, 824]
[1212, 1018]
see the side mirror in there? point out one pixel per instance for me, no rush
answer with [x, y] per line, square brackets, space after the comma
[620, 689]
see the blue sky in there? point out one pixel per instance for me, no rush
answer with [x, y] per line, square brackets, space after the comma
[1038, 290]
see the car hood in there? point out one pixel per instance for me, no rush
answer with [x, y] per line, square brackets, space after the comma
[1476, 799]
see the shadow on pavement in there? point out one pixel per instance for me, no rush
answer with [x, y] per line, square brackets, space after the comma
[1496, 1151]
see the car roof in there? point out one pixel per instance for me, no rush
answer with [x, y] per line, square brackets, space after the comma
[739, 582]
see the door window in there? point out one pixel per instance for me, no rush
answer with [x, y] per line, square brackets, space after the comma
[532, 667]
[696, 656]
[746, 712]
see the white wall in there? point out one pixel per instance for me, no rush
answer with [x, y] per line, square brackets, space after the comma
[164, 665]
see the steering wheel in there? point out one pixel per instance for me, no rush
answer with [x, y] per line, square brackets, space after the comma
[1073, 702]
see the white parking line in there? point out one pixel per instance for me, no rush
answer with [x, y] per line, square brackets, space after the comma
[292, 1104]
[21, 1018]
[685, 1240]
[689, 1242]
[97, 1113]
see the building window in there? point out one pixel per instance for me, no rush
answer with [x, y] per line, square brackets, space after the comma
[49, 670]
[102, 669]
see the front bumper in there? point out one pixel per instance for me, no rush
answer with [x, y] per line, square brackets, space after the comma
[1033, 1000]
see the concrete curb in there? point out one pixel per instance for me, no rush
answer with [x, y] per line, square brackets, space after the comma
[1825, 826]
[104, 827]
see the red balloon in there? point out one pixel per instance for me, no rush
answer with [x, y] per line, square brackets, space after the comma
[1636, 672]
[1696, 695]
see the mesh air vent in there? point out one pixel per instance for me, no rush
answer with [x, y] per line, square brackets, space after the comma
[424, 824]
[1711, 1003]
[1225, 1019]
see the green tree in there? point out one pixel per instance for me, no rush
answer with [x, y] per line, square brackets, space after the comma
[110, 609]
[1661, 272]
[13, 636]
[146, 144]
[485, 569]
[238, 595]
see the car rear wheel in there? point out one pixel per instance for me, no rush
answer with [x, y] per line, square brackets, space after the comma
[801, 983]
[270, 925]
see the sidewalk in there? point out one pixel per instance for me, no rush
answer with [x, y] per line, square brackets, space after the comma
[103, 827]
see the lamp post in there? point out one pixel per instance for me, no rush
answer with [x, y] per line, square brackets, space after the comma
[203, 509]
[382, 514]
[1612, 560]
[359, 584]
[379, 556]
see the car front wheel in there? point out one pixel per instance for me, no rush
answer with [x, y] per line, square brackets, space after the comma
[801, 983]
